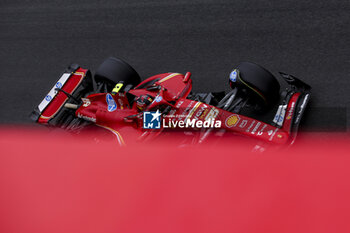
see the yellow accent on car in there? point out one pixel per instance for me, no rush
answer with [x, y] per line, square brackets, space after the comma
[193, 110]
[116, 133]
[117, 87]
[169, 77]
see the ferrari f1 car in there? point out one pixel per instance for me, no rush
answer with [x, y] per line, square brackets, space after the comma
[116, 99]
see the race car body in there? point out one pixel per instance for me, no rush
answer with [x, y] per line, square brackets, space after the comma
[116, 99]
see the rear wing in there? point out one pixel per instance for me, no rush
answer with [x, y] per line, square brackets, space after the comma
[70, 85]
[291, 110]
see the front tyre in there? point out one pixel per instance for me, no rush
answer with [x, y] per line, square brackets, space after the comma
[114, 70]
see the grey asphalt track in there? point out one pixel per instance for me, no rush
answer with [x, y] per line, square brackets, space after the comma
[309, 39]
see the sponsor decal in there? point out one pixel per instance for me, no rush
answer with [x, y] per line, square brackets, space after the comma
[273, 134]
[261, 131]
[233, 75]
[200, 111]
[290, 112]
[87, 118]
[255, 128]
[279, 117]
[250, 126]
[48, 98]
[232, 120]
[204, 114]
[213, 113]
[151, 120]
[243, 124]
[179, 103]
[86, 102]
[112, 105]
[59, 84]
[269, 132]
[158, 99]
[192, 110]
[301, 108]
[187, 109]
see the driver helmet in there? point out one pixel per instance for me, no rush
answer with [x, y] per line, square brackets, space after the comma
[143, 101]
[234, 75]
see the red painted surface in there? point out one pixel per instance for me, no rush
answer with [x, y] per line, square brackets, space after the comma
[62, 184]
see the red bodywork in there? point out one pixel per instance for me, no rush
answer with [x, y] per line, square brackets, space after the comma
[125, 122]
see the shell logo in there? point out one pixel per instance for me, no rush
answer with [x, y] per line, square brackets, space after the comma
[232, 120]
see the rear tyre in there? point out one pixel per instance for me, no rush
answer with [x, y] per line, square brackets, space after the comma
[258, 83]
[114, 70]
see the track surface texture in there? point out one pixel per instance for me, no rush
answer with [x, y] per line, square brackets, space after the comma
[309, 39]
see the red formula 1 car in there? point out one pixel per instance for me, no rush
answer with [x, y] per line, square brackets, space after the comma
[116, 99]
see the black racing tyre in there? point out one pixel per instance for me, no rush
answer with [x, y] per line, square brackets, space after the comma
[261, 86]
[116, 70]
